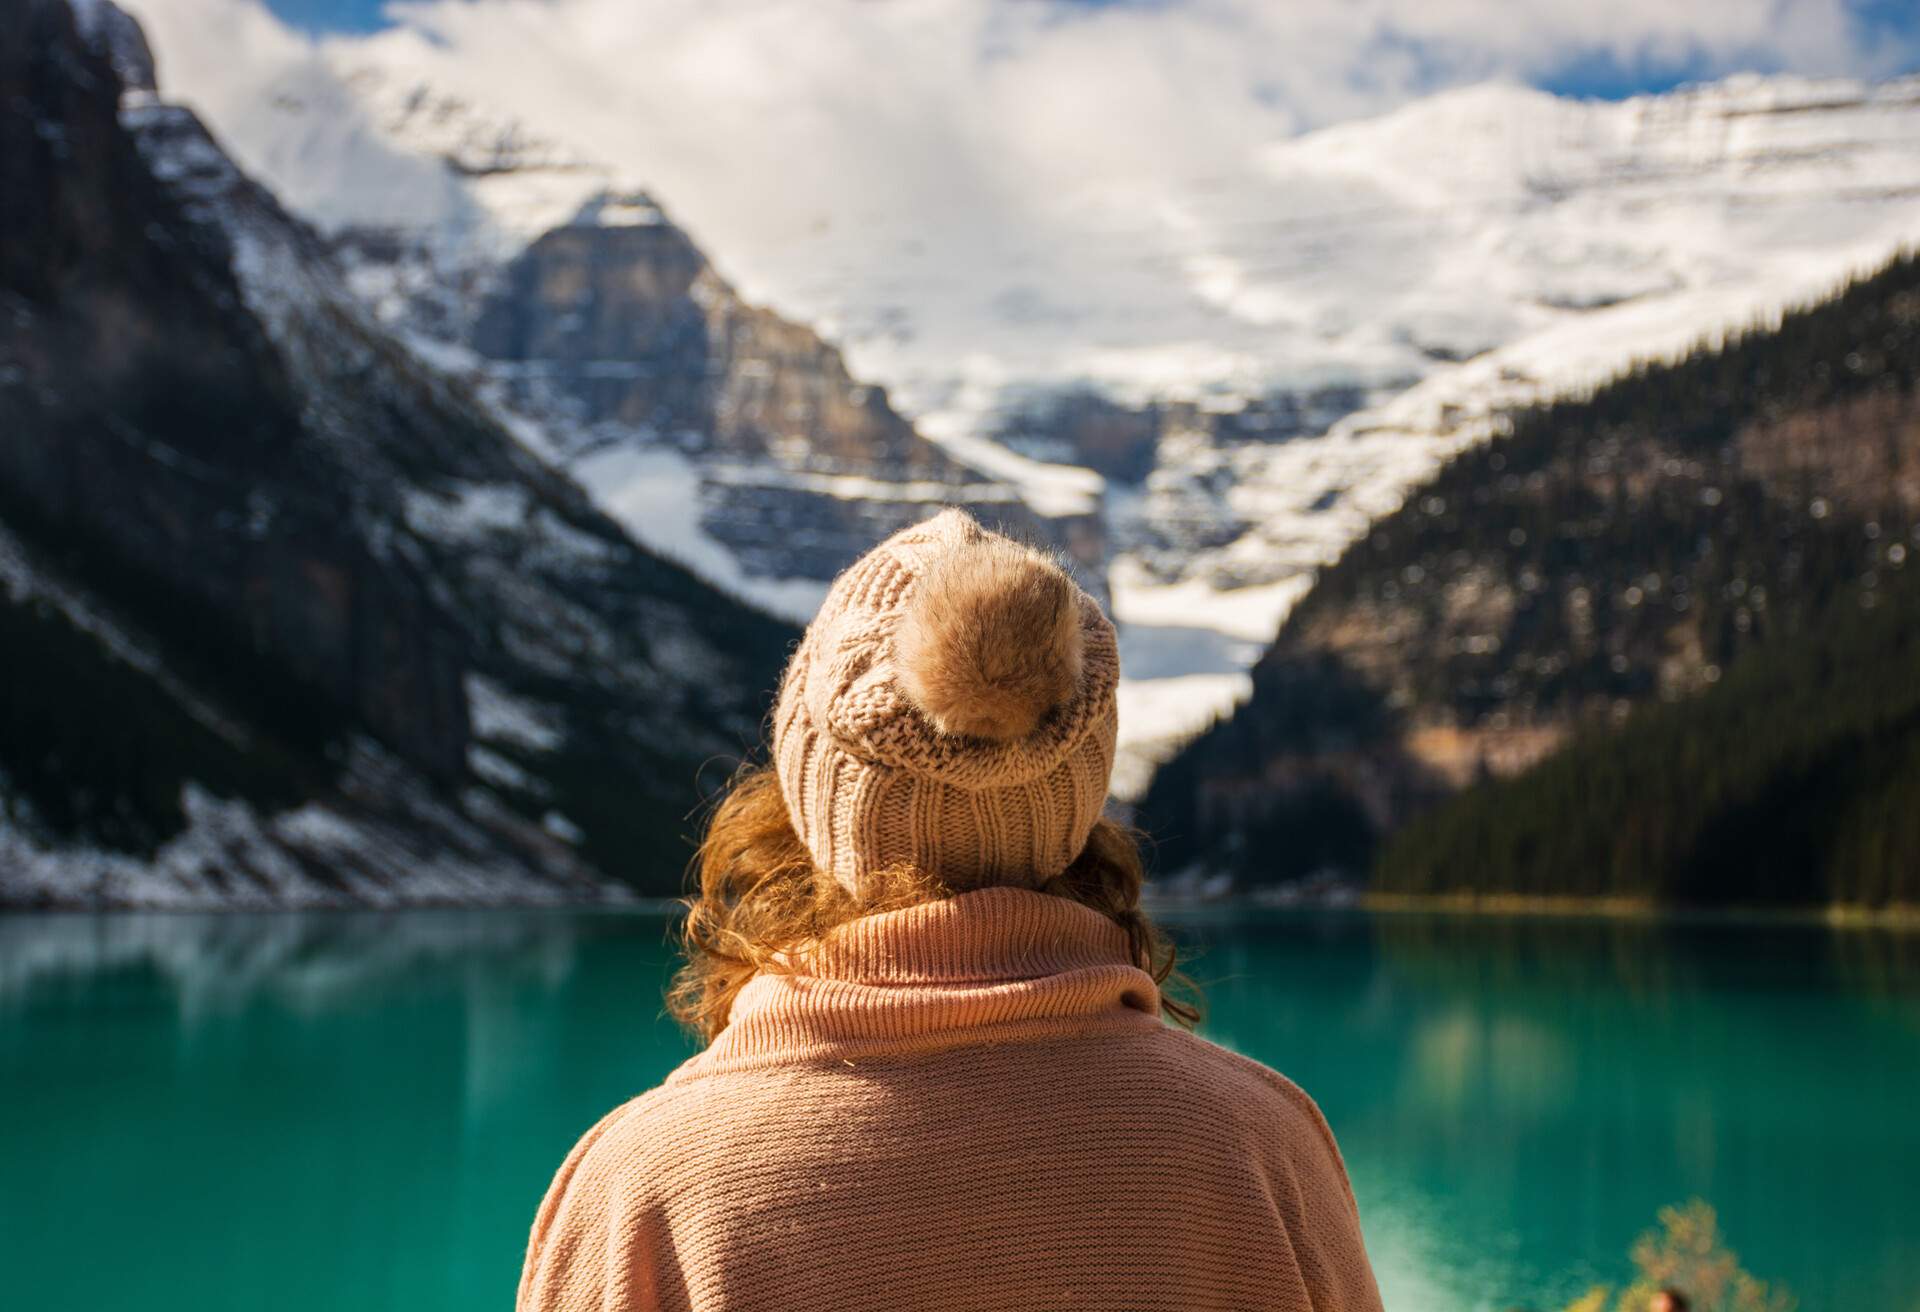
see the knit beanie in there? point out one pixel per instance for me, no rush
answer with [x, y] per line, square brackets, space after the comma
[951, 707]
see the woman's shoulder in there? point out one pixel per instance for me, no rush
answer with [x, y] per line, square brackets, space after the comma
[1264, 1103]
[647, 1126]
[676, 1128]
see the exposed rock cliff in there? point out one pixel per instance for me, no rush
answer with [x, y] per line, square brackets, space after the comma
[614, 333]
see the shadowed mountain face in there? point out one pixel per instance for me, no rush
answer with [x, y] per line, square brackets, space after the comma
[152, 425]
[1605, 554]
[303, 621]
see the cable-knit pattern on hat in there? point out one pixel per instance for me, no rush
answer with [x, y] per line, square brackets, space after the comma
[870, 782]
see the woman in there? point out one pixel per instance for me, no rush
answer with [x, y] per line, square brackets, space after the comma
[939, 1072]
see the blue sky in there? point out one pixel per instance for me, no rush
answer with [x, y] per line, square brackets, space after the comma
[1592, 73]
[330, 15]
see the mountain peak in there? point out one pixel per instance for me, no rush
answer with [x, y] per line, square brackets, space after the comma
[619, 209]
[115, 33]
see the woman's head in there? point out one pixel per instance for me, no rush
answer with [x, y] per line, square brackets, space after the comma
[947, 723]
[952, 708]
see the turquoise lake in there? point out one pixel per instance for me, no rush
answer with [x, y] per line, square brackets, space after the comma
[360, 1111]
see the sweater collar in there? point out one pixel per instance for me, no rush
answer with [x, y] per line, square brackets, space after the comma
[990, 964]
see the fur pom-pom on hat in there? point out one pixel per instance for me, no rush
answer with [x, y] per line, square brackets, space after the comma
[990, 643]
[952, 707]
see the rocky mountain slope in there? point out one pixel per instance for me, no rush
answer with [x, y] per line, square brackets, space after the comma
[291, 617]
[1202, 388]
[716, 429]
[1604, 553]
[615, 335]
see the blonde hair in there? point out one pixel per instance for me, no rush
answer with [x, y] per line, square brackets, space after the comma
[758, 898]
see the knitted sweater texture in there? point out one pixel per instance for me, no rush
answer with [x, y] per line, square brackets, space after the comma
[970, 1104]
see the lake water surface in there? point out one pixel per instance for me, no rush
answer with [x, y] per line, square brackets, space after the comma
[360, 1111]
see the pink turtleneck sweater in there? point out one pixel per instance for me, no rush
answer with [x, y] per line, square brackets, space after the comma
[971, 1104]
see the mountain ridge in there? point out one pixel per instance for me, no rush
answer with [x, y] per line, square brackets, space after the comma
[1200, 394]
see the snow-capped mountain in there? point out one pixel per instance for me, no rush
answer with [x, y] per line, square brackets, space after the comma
[1204, 388]
[289, 617]
[720, 432]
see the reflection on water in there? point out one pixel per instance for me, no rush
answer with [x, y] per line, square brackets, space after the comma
[1517, 1098]
[348, 1110]
[309, 962]
[306, 1111]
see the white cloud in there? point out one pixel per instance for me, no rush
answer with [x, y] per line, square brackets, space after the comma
[758, 117]
[1043, 172]
[242, 70]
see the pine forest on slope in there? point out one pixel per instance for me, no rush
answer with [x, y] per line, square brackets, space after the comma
[1690, 550]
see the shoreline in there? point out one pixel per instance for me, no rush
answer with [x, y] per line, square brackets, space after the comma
[1904, 918]
[1547, 907]
[1540, 906]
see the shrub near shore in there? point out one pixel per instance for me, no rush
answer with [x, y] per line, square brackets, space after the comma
[1687, 1253]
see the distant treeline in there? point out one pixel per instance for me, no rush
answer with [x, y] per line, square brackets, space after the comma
[1794, 781]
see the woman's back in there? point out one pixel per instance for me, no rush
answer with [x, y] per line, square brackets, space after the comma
[967, 1104]
[939, 1076]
